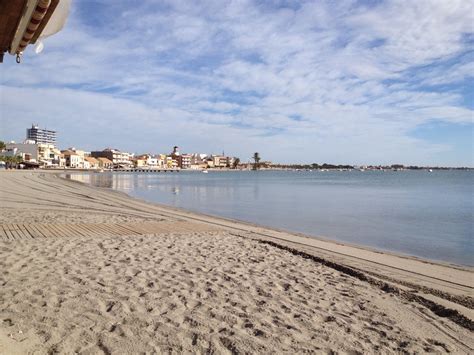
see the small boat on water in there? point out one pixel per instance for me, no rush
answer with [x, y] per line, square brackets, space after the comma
[205, 171]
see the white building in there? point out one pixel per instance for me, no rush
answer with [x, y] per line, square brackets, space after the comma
[152, 161]
[27, 151]
[45, 154]
[74, 159]
[48, 155]
[220, 161]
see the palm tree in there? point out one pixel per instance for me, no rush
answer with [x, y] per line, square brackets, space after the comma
[18, 160]
[2, 146]
[12, 162]
[256, 158]
[236, 163]
[7, 161]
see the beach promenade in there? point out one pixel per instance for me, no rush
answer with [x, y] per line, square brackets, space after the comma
[89, 270]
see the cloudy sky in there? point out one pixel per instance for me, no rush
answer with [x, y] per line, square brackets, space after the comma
[361, 82]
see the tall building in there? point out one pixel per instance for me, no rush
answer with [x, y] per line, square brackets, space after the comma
[39, 135]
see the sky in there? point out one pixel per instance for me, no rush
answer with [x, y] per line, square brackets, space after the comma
[357, 82]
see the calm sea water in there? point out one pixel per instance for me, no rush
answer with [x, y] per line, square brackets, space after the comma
[429, 215]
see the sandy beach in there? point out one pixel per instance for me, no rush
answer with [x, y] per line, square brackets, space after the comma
[93, 271]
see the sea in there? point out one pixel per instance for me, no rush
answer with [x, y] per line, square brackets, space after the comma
[411, 212]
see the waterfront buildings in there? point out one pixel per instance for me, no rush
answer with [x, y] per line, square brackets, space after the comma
[220, 161]
[171, 163]
[39, 148]
[91, 163]
[175, 156]
[199, 161]
[154, 161]
[105, 163]
[185, 161]
[43, 154]
[148, 160]
[73, 159]
[39, 135]
[140, 161]
[27, 151]
[48, 154]
[118, 158]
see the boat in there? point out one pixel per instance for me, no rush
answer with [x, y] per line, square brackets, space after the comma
[205, 171]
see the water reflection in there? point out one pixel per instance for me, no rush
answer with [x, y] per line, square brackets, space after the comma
[107, 180]
[191, 185]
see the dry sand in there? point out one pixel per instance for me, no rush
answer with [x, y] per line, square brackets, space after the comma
[87, 270]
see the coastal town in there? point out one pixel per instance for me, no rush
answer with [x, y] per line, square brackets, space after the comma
[39, 150]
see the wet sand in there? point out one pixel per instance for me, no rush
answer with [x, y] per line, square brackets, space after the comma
[88, 270]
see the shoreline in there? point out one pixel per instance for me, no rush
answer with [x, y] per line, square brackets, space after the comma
[322, 238]
[344, 249]
[443, 291]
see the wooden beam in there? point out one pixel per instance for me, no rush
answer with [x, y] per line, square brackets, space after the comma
[10, 15]
[45, 20]
[25, 20]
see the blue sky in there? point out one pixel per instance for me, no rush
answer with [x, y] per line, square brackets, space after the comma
[360, 82]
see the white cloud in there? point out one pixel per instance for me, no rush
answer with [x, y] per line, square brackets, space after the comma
[309, 82]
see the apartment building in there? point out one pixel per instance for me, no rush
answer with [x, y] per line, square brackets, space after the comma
[48, 155]
[105, 163]
[39, 135]
[91, 163]
[219, 161]
[184, 161]
[73, 159]
[117, 157]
